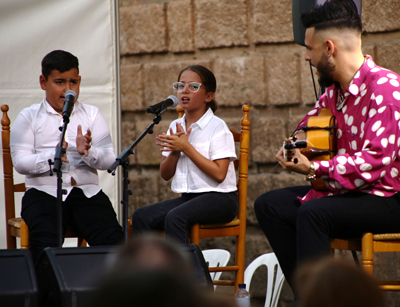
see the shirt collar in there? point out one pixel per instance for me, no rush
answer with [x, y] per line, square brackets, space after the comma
[203, 121]
[356, 85]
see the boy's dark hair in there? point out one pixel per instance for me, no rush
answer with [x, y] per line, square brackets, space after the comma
[59, 60]
[207, 79]
[333, 14]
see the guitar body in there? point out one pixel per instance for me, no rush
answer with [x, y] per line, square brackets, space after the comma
[321, 141]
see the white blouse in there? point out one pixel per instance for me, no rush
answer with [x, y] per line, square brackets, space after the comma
[212, 138]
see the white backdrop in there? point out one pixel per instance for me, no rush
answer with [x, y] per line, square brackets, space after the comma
[29, 29]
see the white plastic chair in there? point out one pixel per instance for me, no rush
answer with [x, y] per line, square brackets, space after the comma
[216, 258]
[275, 280]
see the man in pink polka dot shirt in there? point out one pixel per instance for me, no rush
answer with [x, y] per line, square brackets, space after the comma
[363, 178]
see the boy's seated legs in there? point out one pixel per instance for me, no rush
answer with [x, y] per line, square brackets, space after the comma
[94, 218]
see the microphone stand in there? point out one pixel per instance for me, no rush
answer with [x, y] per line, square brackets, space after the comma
[123, 159]
[57, 168]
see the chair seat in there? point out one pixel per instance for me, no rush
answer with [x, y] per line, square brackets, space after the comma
[17, 221]
[386, 236]
[233, 223]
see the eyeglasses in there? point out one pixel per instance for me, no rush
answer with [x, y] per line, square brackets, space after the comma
[180, 86]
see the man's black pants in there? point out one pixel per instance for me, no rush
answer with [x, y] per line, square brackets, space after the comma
[299, 232]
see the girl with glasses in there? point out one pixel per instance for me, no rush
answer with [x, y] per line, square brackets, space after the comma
[198, 153]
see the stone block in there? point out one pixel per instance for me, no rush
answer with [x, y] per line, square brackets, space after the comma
[220, 23]
[180, 26]
[307, 86]
[158, 78]
[256, 244]
[131, 87]
[380, 15]
[128, 134]
[272, 21]
[294, 121]
[143, 29]
[259, 184]
[240, 80]
[147, 152]
[389, 57]
[283, 78]
[267, 135]
[233, 123]
[370, 50]
[144, 191]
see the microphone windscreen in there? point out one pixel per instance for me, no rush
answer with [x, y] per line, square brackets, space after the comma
[174, 99]
[70, 92]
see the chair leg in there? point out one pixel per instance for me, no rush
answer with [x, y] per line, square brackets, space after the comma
[129, 228]
[367, 253]
[240, 257]
[24, 236]
[82, 242]
[194, 234]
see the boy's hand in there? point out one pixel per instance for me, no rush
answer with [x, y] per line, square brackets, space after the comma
[83, 141]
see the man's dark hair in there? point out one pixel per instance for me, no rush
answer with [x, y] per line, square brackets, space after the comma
[333, 14]
[59, 60]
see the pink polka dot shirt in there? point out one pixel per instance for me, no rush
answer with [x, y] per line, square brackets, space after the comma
[368, 135]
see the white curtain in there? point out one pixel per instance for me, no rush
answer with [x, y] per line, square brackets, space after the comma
[29, 29]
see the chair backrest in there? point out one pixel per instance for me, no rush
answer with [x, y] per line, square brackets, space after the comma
[275, 277]
[8, 169]
[216, 258]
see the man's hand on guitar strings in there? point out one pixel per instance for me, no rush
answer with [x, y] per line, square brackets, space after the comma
[302, 166]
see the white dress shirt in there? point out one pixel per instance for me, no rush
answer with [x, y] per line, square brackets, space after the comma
[212, 138]
[34, 138]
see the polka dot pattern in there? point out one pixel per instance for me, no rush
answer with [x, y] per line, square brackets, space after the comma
[354, 89]
[368, 135]
[379, 99]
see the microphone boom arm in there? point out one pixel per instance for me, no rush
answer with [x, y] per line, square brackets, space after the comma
[123, 159]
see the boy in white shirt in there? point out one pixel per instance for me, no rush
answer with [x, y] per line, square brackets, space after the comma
[34, 138]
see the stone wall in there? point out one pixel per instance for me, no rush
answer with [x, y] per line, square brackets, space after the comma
[249, 46]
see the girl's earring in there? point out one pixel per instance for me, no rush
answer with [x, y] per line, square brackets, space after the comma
[330, 58]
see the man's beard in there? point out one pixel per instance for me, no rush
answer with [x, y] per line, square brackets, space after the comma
[325, 70]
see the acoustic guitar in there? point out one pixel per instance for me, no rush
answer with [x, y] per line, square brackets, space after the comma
[316, 140]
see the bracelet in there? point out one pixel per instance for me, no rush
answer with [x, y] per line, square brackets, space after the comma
[311, 173]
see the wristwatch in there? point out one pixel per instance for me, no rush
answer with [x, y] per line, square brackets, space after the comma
[311, 173]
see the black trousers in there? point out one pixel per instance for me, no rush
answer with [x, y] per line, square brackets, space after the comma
[94, 218]
[178, 215]
[299, 233]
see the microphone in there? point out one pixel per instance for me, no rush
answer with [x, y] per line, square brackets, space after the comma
[159, 107]
[70, 97]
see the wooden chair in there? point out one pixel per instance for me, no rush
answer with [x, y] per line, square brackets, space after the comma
[237, 227]
[16, 227]
[368, 245]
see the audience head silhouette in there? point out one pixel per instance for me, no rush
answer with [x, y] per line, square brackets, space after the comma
[150, 272]
[336, 283]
